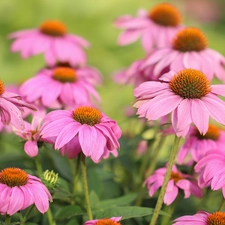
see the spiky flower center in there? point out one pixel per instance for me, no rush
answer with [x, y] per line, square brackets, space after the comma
[190, 84]
[165, 15]
[213, 133]
[217, 218]
[107, 222]
[190, 39]
[2, 87]
[176, 176]
[87, 115]
[64, 74]
[53, 28]
[13, 177]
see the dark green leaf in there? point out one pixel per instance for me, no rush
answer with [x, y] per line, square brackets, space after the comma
[127, 212]
[68, 212]
[124, 200]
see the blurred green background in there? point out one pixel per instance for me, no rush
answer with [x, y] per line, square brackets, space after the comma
[93, 19]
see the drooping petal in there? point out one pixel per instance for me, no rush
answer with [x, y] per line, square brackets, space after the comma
[200, 115]
[31, 148]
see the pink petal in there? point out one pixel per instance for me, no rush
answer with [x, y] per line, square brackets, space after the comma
[31, 148]
[218, 89]
[216, 107]
[129, 36]
[155, 56]
[66, 134]
[200, 115]
[171, 195]
[16, 201]
[162, 105]
[51, 93]
[87, 137]
[181, 118]
[192, 60]
[177, 64]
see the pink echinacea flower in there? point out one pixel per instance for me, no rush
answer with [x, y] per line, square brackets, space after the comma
[177, 181]
[198, 144]
[59, 87]
[187, 94]
[52, 39]
[111, 221]
[11, 108]
[156, 28]
[201, 218]
[31, 135]
[188, 50]
[19, 190]
[211, 169]
[83, 129]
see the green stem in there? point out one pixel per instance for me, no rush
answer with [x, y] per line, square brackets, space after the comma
[147, 157]
[166, 180]
[27, 214]
[7, 219]
[84, 177]
[37, 160]
[155, 155]
[153, 162]
[50, 218]
[75, 172]
[221, 205]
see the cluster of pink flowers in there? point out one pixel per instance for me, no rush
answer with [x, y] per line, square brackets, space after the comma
[173, 80]
[68, 84]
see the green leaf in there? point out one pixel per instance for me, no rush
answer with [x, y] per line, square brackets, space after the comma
[124, 200]
[73, 222]
[94, 200]
[68, 212]
[127, 212]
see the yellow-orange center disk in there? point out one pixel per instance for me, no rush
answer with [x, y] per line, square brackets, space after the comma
[213, 133]
[53, 28]
[2, 88]
[87, 115]
[64, 74]
[107, 222]
[190, 39]
[176, 176]
[13, 177]
[190, 84]
[165, 15]
[217, 218]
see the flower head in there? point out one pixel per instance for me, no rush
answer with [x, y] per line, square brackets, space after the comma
[177, 181]
[155, 28]
[211, 169]
[202, 218]
[188, 50]
[53, 40]
[198, 144]
[31, 135]
[111, 221]
[19, 190]
[11, 108]
[187, 94]
[58, 87]
[83, 129]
